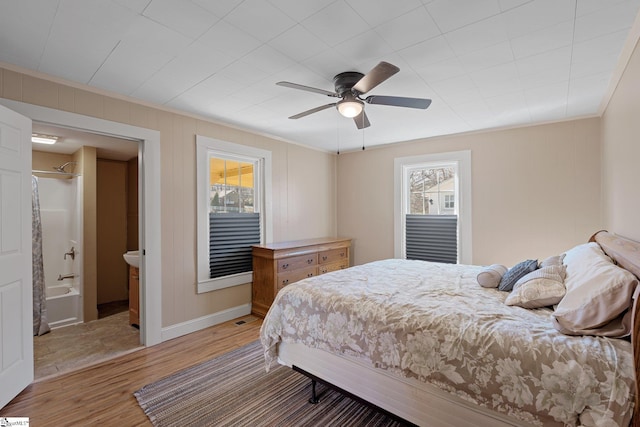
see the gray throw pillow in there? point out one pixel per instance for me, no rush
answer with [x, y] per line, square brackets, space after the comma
[516, 272]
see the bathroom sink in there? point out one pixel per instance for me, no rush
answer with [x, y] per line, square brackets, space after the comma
[132, 258]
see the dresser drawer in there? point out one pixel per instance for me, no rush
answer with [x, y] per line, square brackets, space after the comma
[288, 278]
[326, 268]
[297, 262]
[333, 255]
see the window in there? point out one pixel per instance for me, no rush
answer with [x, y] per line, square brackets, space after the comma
[234, 223]
[433, 207]
[430, 188]
[233, 184]
[449, 201]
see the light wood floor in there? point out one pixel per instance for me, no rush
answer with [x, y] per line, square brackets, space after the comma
[103, 394]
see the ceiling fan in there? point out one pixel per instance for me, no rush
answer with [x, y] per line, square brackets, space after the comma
[350, 85]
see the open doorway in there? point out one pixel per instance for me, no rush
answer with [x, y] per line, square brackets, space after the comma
[87, 186]
[149, 202]
[19, 165]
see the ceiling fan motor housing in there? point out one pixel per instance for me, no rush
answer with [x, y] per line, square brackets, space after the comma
[343, 82]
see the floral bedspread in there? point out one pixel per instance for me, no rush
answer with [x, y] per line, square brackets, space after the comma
[434, 322]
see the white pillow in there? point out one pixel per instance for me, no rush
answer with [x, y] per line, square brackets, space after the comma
[490, 277]
[553, 260]
[598, 292]
[540, 288]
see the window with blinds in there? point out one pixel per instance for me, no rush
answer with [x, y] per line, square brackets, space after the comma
[432, 209]
[431, 222]
[234, 223]
[234, 184]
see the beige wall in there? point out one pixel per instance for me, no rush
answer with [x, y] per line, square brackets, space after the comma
[86, 159]
[310, 174]
[111, 233]
[43, 161]
[132, 204]
[535, 191]
[621, 154]
[299, 211]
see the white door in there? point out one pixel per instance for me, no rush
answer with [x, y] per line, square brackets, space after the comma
[16, 304]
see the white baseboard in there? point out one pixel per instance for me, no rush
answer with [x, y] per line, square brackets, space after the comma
[175, 331]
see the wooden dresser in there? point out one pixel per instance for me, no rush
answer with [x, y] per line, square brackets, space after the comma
[278, 264]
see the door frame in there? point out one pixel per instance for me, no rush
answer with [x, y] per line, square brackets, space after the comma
[149, 200]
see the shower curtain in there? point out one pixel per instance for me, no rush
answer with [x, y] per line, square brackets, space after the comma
[40, 322]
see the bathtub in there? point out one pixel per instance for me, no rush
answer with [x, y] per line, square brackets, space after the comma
[63, 304]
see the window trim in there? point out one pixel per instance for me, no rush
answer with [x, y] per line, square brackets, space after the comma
[401, 194]
[205, 146]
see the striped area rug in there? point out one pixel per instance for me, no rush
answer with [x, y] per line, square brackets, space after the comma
[234, 390]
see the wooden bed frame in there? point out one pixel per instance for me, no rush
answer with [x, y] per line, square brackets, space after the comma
[424, 404]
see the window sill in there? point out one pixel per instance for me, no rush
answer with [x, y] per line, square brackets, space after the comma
[209, 285]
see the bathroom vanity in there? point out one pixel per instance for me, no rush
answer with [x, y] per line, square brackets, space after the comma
[134, 296]
[133, 259]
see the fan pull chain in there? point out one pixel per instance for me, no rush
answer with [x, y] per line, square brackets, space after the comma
[362, 130]
[338, 134]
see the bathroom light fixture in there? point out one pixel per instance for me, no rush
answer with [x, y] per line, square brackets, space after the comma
[43, 139]
[350, 106]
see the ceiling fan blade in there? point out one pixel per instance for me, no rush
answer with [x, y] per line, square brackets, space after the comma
[313, 110]
[399, 101]
[307, 88]
[361, 120]
[377, 75]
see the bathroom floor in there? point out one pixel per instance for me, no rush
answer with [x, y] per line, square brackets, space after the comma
[72, 347]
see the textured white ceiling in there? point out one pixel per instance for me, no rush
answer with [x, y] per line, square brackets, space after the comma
[484, 63]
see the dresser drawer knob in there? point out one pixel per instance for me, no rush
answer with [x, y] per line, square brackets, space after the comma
[285, 282]
[324, 257]
[310, 275]
[285, 266]
[310, 260]
[342, 254]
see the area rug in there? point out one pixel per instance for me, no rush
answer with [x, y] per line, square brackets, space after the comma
[235, 390]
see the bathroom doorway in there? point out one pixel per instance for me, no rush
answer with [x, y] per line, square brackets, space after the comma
[149, 202]
[88, 187]
[150, 219]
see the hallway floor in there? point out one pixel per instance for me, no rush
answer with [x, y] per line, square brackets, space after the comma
[71, 347]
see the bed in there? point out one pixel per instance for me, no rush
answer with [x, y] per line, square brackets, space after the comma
[425, 342]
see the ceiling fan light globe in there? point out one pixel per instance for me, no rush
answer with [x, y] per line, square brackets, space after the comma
[350, 108]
